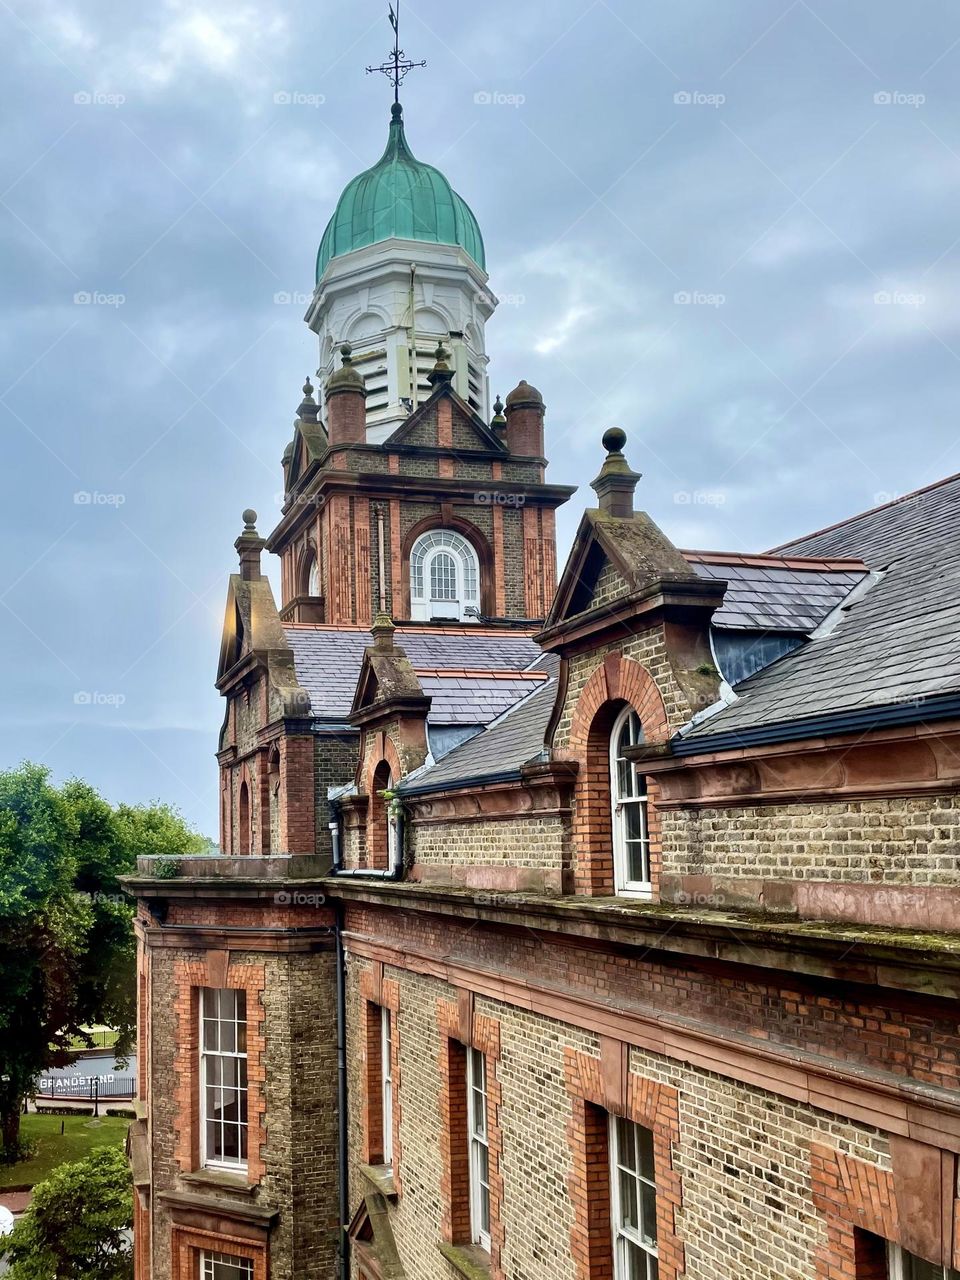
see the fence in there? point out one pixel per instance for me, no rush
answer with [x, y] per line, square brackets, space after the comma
[86, 1088]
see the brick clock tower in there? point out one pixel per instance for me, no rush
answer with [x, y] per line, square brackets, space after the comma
[412, 507]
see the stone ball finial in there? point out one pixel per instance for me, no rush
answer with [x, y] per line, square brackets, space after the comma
[308, 389]
[249, 520]
[613, 440]
[498, 406]
[346, 351]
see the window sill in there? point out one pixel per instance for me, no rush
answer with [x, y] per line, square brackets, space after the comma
[380, 1176]
[224, 1179]
[470, 1260]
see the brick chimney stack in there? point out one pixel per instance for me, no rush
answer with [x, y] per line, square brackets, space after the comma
[346, 411]
[525, 410]
[616, 483]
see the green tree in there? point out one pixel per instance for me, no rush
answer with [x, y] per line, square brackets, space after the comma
[78, 1223]
[66, 941]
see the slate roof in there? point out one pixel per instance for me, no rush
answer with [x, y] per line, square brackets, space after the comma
[467, 699]
[776, 593]
[896, 643]
[516, 738]
[328, 659]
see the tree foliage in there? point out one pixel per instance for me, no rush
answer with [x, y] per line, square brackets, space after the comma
[66, 942]
[78, 1224]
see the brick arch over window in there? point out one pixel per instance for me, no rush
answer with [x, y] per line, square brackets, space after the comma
[384, 763]
[617, 683]
[476, 539]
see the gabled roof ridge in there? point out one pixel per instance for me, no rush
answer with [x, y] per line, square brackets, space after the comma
[481, 673]
[883, 506]
[765, 559]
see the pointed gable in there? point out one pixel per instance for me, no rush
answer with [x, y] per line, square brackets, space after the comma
[614, 558]
[445, 420]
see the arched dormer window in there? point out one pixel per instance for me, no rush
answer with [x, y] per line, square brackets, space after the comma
[628, 798]
[444, 577]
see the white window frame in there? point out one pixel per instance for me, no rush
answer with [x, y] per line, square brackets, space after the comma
[313, 577]
[897, 1264]
[620, 802]
[210, 1261]
[386, 1085]
[625, 1235]
[210, 1160]
[479, 1148]
[422, 554]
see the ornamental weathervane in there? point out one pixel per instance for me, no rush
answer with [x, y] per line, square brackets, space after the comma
[396, 68]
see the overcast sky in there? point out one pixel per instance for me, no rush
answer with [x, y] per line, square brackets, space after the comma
[731, 229]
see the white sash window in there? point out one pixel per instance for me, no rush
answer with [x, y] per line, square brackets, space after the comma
[444, 577]
[628, 797]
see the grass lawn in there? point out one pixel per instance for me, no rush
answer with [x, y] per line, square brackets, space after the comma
[81, 1135]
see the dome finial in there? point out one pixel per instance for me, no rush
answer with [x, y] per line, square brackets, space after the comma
[441, 371]
[308, 410]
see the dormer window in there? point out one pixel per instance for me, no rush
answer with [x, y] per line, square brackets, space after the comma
[444, 577]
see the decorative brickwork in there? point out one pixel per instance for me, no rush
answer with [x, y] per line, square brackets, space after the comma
[600, 1087]
[913, 1205]
[189, 1243]
[618, 681]
[460, 1029]
[190, 977]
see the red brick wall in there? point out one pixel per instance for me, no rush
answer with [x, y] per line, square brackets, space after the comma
[297, 804]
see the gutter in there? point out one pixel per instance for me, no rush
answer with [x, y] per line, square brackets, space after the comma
[457, 784]
[832, 724]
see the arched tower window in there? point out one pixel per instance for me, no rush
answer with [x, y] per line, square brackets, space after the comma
[310, 574]
[382, 831]
[444, 577]
[243, 805]
[628, 797]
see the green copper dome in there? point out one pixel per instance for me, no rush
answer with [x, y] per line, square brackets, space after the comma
[399, 197]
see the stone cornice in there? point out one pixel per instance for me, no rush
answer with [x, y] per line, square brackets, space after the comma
[540, 791]
[909, 760]
[904, 960]
[384, 484]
